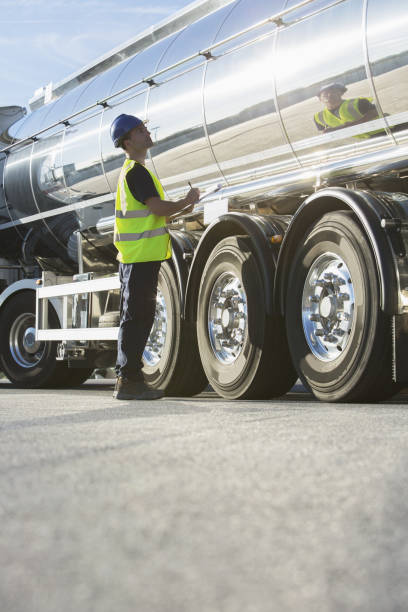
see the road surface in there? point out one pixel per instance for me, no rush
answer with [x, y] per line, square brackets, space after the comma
[201, 505]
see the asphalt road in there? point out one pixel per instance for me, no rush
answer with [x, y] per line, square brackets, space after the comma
[201, 505]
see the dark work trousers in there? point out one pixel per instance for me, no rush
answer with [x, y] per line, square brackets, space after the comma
[138, 282]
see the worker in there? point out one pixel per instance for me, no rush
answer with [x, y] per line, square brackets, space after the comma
[143, 242]
[341, 113]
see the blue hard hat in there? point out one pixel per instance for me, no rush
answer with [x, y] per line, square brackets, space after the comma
[121, 125]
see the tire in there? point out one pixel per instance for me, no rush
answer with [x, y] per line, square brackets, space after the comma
[26, 363]
[243, 351]
[171, 358]
[340, 340]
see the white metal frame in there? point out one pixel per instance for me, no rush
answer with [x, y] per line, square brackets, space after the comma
[63, 291]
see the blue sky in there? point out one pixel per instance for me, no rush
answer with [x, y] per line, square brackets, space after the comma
[47, 40]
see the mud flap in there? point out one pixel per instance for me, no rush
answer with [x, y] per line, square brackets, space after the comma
[400, 348]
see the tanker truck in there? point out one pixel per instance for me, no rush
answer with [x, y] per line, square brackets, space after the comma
[294, 264]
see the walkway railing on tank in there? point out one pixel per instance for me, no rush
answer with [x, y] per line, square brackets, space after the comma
[277, 19]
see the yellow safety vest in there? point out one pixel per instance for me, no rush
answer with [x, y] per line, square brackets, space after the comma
[348, 111]
[139, 234]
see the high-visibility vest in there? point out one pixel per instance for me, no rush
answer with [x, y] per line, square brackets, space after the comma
[347, 111]
[139, 234]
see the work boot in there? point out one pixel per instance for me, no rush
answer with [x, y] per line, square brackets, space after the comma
[126, 389]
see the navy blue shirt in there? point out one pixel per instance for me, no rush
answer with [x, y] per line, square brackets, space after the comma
[141, 184]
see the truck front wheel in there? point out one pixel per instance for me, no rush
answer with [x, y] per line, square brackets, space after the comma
[25, 362]
[339, 338]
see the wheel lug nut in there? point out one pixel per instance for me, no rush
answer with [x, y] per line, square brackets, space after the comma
[314, 317]
[319, 283]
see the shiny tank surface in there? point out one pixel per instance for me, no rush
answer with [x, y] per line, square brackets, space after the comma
[241, 113]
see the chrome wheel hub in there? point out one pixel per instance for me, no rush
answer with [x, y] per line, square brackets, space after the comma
[157, 338]
[24, 348]
[328, 307]
[227, 318]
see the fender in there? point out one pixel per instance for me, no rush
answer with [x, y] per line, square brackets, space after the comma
[370, 210]
[24, 285]
[21, 285]
[259, 230]
[183, 244]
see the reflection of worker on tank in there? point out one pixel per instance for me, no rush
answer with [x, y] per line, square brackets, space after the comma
[341, 113]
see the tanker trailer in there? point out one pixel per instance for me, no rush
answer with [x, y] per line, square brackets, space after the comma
[296, 267]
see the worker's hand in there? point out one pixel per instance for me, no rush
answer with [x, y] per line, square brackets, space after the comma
[192, 197]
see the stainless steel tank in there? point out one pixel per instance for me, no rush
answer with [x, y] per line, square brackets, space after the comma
[241, 113]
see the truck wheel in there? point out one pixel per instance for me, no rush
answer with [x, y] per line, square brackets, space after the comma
[339, 338]
[243, 351]
[25, 362]
[171, 359]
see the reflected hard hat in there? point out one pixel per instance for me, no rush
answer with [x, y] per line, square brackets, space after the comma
[121, 126]
[338, 86]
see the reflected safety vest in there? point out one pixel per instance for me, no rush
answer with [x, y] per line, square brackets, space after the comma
[347, 111]
[139, 234]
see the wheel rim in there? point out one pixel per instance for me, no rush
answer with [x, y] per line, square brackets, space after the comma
[328, 307]
[157, 338]
[25, 350]
[227, 318]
